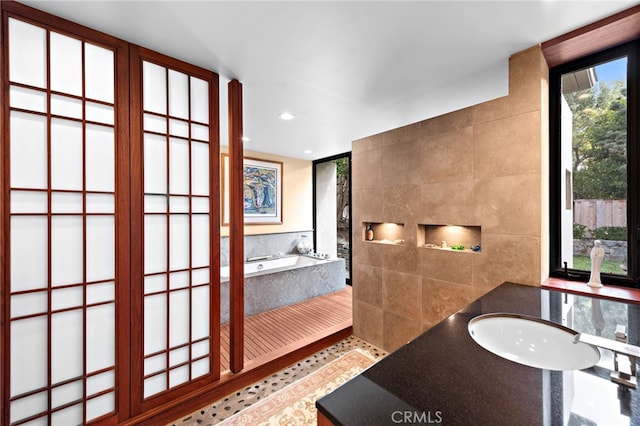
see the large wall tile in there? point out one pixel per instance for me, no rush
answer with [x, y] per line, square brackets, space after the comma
[401, 203]
[403, 258]
[366, 144]
[366, 253]
[368, 323]
[447, 157]
[402, 134]
[527, 80]
[509, 205]
[447, 122]
[366, 170]
[441, 299]
[514, 258]
[527, 72]
[401, 294]
[493, 110]
[448, 265]
[367, 284]
[371, 202]
[400, 164]
[446, 203]
[399, 330]
[510, 146]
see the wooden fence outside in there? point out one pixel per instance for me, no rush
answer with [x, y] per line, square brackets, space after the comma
[598, 213]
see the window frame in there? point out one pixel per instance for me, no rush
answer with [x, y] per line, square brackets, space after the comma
[556, 269]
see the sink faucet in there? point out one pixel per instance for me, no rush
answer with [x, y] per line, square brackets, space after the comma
[618, 348]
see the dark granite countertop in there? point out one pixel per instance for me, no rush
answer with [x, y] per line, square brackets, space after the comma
[444, 377]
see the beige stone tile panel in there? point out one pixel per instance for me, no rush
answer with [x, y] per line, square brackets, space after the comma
[402, 134]
[366, 144]
[399, 330]
[495, 109]
[527, 82]
[366, 253]
[508, 205]
[401, 203]
[367, 206]
[447, 122]
[401, 164]
[446, 203]
[403, 258]
[510, 146]
[366, 171]
[367, 284]
[441, 299]
[527, 72]
[514, 258]
[447, 157]
[448, 265]
[401, 294]
[368, 323]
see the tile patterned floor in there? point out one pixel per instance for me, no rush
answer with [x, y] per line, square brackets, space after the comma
[231, 404]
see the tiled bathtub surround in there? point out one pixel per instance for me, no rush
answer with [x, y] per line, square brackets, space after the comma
[485, 166]
[265, 244]
[264, 291]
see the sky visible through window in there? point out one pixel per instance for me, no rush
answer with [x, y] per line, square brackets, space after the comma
[613, 71]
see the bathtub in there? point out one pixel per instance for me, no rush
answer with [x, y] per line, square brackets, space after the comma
[263, 266]
[281, 281]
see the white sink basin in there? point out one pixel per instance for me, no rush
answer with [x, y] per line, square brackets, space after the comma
[532, 341]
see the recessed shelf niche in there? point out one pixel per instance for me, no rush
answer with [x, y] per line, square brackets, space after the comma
[466, 238]
[384, 233]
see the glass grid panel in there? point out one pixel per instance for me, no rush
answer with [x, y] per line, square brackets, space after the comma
[23, 98]
[27, 69]
[58, 340]
[176, 191]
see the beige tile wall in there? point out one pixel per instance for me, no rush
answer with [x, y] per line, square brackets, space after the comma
[484, 166]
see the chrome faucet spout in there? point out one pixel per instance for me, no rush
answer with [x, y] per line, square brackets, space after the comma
[618, 348]
[613, 345]
[252, 259]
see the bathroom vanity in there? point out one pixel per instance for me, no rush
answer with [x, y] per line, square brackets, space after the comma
[445, 377]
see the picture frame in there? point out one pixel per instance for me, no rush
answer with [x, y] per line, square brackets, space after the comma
[262, 191]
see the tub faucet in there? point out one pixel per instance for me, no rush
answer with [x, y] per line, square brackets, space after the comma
[251, 259]
[619, 348]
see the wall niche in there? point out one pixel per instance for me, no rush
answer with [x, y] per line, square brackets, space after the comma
[465, 238]
[384, 233]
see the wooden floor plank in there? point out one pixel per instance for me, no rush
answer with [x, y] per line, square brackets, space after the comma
[273, 330]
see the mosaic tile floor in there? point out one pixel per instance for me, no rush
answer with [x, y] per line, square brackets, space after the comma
[231, 404]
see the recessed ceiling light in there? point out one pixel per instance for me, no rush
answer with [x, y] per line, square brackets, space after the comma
[286, 116]
[308, 151]
[245, 139]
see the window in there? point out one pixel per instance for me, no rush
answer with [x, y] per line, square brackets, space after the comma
[594, 162]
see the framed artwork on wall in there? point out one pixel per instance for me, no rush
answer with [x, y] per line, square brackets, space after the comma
[262, 191]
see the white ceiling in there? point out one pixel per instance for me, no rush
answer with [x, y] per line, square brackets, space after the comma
[346, 69]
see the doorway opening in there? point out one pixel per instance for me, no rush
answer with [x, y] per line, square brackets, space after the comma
[332, 207]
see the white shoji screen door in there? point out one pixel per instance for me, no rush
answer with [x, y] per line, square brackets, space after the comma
[109, 214]
[175, 204]
[65, 200]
